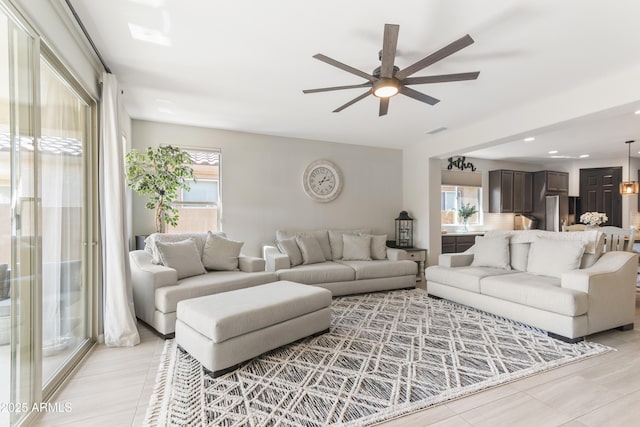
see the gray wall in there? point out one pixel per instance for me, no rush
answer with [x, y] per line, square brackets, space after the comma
[262, 182]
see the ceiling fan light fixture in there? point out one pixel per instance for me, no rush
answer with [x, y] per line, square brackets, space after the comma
[385, 88]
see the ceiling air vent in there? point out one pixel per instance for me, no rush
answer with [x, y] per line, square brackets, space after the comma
[437, 130]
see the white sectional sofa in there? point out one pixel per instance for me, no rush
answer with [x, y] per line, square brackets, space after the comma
[343, 261]
[157, 287]
[559, 282]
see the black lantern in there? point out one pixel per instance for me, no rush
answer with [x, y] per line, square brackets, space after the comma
[404, 230]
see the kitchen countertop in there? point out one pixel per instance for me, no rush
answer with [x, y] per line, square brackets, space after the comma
[464, 233]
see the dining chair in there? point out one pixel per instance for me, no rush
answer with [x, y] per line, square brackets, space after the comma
[618, 239]
[574, 227]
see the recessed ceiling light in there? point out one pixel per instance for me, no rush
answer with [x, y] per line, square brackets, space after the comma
[637, 112]
[553, 151]
[582, 156]
[149, 35]
[529, 139]
[559, 157]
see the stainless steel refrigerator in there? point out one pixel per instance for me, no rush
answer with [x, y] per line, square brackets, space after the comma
[556, 212]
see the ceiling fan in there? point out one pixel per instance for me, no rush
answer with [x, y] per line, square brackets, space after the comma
[388, 79]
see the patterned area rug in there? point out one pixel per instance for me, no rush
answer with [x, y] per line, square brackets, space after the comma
[388, 354]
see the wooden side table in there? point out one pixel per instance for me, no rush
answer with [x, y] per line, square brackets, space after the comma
[418, 255]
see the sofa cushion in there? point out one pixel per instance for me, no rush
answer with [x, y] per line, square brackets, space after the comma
[378, 269]
[290, 248]
[182, 256]
[321, 235]
[467, 278]
[324, 272]
[541, 292]
[553, 257]
[166, 298]
[491, 252]
[336, 242]
[220, 253]
[356, 248]
[310, 250]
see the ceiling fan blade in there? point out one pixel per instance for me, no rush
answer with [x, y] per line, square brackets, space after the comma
[344, 67]
[353, 101]
[384, 107]
[450, 49]
[441, 78]
[389, 44]
[411, 93]
[327, 89]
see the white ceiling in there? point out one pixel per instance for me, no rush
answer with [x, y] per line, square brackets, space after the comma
[242, 65]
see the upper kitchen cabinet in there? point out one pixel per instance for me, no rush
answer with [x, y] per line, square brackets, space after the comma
[522, 192]
[510, 191]
[551, 182]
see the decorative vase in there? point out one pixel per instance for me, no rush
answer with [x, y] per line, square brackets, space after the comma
[465, 223]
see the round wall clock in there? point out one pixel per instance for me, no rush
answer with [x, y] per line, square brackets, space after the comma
[322, 181]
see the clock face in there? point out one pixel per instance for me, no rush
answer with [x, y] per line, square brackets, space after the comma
[322, 181]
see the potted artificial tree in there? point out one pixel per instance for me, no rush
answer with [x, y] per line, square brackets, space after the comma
[159, 173]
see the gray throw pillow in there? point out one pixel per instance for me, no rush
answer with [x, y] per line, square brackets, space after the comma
[356, 248]
[378, 245]
[220, 253]
[491, 252]
[310, 249]
[182, 256]
[290, 248]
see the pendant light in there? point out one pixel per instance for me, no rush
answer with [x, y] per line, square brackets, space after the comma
[629, 187]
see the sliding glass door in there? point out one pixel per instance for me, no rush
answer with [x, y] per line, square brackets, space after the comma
[18, 225]
[64, 126]
[45, 238]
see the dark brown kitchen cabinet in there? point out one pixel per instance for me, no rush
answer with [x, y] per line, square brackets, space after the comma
[522, 192]
[500, 191]
[510, 191]
[552, 181]
[455, 244]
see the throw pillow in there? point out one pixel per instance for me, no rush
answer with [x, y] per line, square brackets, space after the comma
[182, 256]
[200, 238]
[553, 257]
[310, 249]
[335, 240]
[290, 248]
[519, 255]
[491, 252]
[378, 245]
[356, 248]
[220, 253]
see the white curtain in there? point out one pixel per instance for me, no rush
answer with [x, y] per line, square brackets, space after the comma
[62, 199]
[119, 318]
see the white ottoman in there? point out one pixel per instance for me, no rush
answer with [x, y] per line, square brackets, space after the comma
[225, 329]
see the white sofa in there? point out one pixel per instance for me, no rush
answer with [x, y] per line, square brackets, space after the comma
[157, 288]
[356, 270]
[559, 282]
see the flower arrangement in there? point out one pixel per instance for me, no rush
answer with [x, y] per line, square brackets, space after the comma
[593, 218]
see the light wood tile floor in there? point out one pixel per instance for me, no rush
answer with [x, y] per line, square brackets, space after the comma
[113, 385]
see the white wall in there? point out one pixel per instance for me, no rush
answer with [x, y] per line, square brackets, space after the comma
[262, 182]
